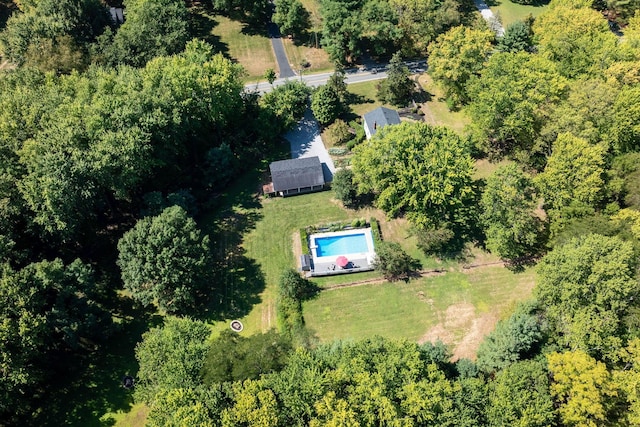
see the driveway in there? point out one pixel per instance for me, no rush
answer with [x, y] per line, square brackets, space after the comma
[278, 50]
[305, 141]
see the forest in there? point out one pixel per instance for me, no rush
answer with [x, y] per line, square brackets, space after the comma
[119, 142]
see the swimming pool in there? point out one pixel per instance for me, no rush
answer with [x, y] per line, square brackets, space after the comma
[341, 245]
[354, 244]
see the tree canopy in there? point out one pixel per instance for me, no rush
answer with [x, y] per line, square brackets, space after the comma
[416, 169]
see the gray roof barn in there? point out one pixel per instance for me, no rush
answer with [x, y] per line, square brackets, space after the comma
[297, 175]
[379, 118]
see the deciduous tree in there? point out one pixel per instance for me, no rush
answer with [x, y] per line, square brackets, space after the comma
[166, 260]
[508, 203]
[170, 357]
[586, 287]
[582, 388]
[416, 169]
[456, 56]
[574, 173]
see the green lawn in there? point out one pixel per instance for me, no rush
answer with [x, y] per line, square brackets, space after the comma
[436, 110]
[364, 97]
[252, 49]
[452, 301]
[510, 12]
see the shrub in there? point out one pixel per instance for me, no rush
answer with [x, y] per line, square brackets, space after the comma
[304, 240]
[375, 230]
[339, 132]
[393, 262]
[345, 188]
[338, 151]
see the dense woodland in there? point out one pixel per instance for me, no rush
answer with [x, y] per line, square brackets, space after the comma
[116, 141]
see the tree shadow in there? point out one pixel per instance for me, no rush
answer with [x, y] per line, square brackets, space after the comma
[202, 24]
[237, 281]
[92, 384]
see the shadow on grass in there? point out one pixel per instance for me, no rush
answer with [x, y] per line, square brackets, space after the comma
[92, 386]
[202, 24]
[237, 280]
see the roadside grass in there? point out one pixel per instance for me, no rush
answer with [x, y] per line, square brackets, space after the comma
[436, 110]
[318, 59]
[252, 51]
[363, 98]
[509, 12]
[410, 310]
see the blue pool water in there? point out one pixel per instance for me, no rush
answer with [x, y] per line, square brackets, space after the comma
[340, 245]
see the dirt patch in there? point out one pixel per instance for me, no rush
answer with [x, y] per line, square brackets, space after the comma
[468, 346]
[457, 318]
[297, 248]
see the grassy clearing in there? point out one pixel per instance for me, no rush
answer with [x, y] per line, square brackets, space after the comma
[436, 110]
[410, 310]
[135, 417]
[485, 168]
[509, 12]
[364, 97]
[252, 51]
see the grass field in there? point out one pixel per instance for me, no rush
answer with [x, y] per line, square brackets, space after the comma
[364, 97]
[250, 49]
[509, 12]
[436, 110]
[458, 308]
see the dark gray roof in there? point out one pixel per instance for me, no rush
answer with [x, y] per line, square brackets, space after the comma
[296, 173]
[379, 118]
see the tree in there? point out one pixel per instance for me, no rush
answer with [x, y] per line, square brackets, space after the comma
[292, 18]
[170, 357]
[153, 28]
[186, 406]
[422, 21]
[344, 187]
[326, 105]
[270, 75]
[576, 37]
[574, 173]
[341, 29]
[48, 316]
[626, 113]
[398, 87]
[516, 38]
[582, 388]
[455, 57]
[586, 113]
[520, 396]
[511, 101]
[508, 203]
[586, 287]
[49, 27]
[294, 286]
[417, 169]
[165, 260]
[232, 357]
[287, 102]
[393, 262]
[512, 340]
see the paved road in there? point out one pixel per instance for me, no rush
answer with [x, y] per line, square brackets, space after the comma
[278, 50]
[488, 16]
[352, 76]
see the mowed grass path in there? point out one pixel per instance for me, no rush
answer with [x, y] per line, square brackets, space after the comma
[410, 310]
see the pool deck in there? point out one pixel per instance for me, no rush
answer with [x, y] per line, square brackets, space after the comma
[326, 265]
